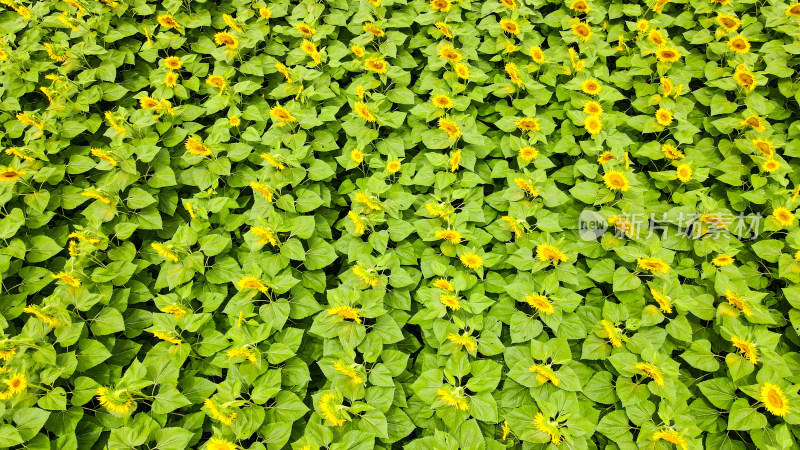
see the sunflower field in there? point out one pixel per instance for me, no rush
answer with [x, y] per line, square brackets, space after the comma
[358, 224]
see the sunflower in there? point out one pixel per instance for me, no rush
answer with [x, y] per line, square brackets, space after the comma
[793, 10]
[171, 79]
[217, 81]
[593, 124]
[770, 165]
[616, 181]
[150, 103]
[226, 39]
[548, 427]
[455, 160]
[745, 78]
[664, 117]
[376, 65]
[444, 29]
[739, 44]
[393, 166]
[670, 152]
[664, 302]
[281, 115]
[441, 5]
[444, 285]
[173, 63]
[196, 147]
[580, 6]
[471, 260]
[363, 111]
[684, 172]
[357, 50]
[528, 153]
[537, 54]
[729, 23]
[305, 30]
[547, 252]
[653, 265]
[671, 436]
[357, 156]
[656, 37]
[167, 21]
[606, 157]
[10, 174]
[452, 236]
[510, 4]
[754, 122]
[510, 26]
[668, 54]
[220, 444]
[528, 124]
[104, 156]
[774, 399]
[235, 121]
[746, 348]
[651, 371]
[591, 86]
[783, 217]
[449, 53]
[462, 71]
[450, 127]
[442, 101]
[592, 108]
[513, 73]
[723, 260]
[765, 147]
[642, 25]
[540, 303]
[308, 47]
[374, 29]
[582, 31]
[666, 84]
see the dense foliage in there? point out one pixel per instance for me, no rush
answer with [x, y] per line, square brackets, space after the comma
[356, 224]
